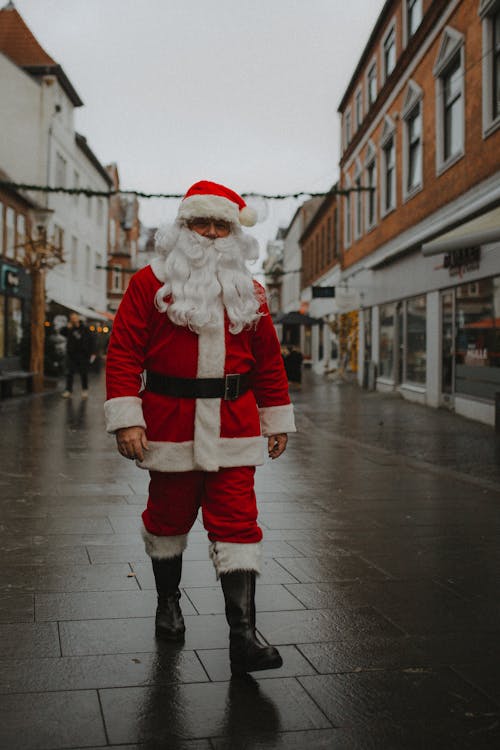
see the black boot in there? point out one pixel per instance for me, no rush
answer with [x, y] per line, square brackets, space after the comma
[169, 621]
[247, 653]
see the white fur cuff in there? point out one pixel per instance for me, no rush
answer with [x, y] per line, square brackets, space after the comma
[229, 556]
[124, 411]
[163, 547]
[276, 419]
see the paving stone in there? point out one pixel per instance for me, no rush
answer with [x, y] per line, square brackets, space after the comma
[69, 578]
[50, 720]
[100, 605]
[309, 626]
[272, 597]
[362, 654]
[394, 696]
[190, 711]
[340, 567]
[29, 640]
[16, 608]
[93, 672]
[137, 635]
[217, 665]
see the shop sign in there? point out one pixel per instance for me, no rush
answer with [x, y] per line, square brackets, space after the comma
[323, 292]
[10, 279]
[464, 259]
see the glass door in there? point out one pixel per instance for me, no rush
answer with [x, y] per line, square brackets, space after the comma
[447, 346]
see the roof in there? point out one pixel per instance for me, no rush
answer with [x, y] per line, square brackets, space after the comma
[384, 13]
[18, 43]
[82, 144]
[20, 195]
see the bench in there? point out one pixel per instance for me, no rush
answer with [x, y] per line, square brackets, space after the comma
[9, 377]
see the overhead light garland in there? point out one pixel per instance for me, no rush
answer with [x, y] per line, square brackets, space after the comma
[89, 193]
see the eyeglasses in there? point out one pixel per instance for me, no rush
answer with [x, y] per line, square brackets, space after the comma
[202, 224]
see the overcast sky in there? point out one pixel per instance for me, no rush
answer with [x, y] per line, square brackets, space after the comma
[176, 91]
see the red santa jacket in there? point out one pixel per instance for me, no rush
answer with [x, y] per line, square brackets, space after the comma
[184, 433]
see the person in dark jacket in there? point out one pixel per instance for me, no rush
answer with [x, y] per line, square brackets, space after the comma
[79, 354]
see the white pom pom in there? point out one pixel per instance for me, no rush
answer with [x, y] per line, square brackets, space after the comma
[248, 217]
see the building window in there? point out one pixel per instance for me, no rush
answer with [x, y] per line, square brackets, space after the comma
[10, 232]
[348, 128]
[74, 257]
[100, 211]
[490, 13]
[388, 167]
[414, 134]
[348, 218]
[371, 84]
[449, 72]
[89, 205]
[413, 17]
[61, 165]
[371, 195]
[358, 206]
[76, 185]
[97, 271]
[116, 283]
[453, 119]
[13, 327]
[389, 52]
[21, 237]
[88, 264]
[358, 106]
[1, 231]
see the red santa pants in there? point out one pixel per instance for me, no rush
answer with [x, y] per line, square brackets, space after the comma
[226, 497]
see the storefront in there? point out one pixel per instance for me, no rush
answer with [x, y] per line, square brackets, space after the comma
[15, 294]
[430, 322]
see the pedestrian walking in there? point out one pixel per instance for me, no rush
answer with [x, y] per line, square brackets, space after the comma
[80, 353]
[195, 329]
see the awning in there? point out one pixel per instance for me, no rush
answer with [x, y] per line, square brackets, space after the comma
[295, 319]
[479, 231]
[108, 315]
[85, 312]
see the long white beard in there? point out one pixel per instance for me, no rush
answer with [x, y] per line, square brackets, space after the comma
[201, 273]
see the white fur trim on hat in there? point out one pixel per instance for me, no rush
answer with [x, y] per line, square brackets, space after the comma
[230, 556]
[213, 206]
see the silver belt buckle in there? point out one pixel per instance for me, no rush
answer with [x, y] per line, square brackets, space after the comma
[231, 387]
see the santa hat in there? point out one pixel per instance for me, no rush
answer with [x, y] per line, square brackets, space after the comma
[208, 199]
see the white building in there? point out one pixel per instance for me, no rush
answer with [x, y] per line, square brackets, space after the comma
[39, 146]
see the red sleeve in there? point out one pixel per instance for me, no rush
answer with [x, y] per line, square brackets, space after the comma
[129, 338]
[270, 383]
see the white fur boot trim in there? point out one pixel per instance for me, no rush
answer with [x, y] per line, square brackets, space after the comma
[164, 547]
[229, 556]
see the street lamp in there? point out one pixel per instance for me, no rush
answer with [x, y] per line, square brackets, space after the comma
[40, 254]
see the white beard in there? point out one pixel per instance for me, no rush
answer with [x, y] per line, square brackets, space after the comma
[202, 273]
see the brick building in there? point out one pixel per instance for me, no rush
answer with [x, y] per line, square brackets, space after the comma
[123, 237]
[421, 248]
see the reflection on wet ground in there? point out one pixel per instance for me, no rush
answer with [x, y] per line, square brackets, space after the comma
[380, 587]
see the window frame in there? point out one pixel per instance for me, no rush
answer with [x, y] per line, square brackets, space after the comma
[413, 100]
[347, 128]
[488, 10]
[452, 47]
[358, 203]
[372, 66]
[388, 135]
[407, 6]
[348, 233]
[358, 107]
[371, 161]
[391, 29]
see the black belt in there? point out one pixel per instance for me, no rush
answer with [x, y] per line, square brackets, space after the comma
[229, 388]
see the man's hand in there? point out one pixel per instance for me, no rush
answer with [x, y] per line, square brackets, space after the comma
[276, 444]
[131, 442]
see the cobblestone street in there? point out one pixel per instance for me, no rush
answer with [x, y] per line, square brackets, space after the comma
[379, 586]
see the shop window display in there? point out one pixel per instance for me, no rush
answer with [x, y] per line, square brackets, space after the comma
[386, 348]
[477, 350]
[415, 349]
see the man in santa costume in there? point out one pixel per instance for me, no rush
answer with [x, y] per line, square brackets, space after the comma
[195, 380]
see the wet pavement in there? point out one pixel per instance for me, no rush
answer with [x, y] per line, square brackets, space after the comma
[380, 587]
